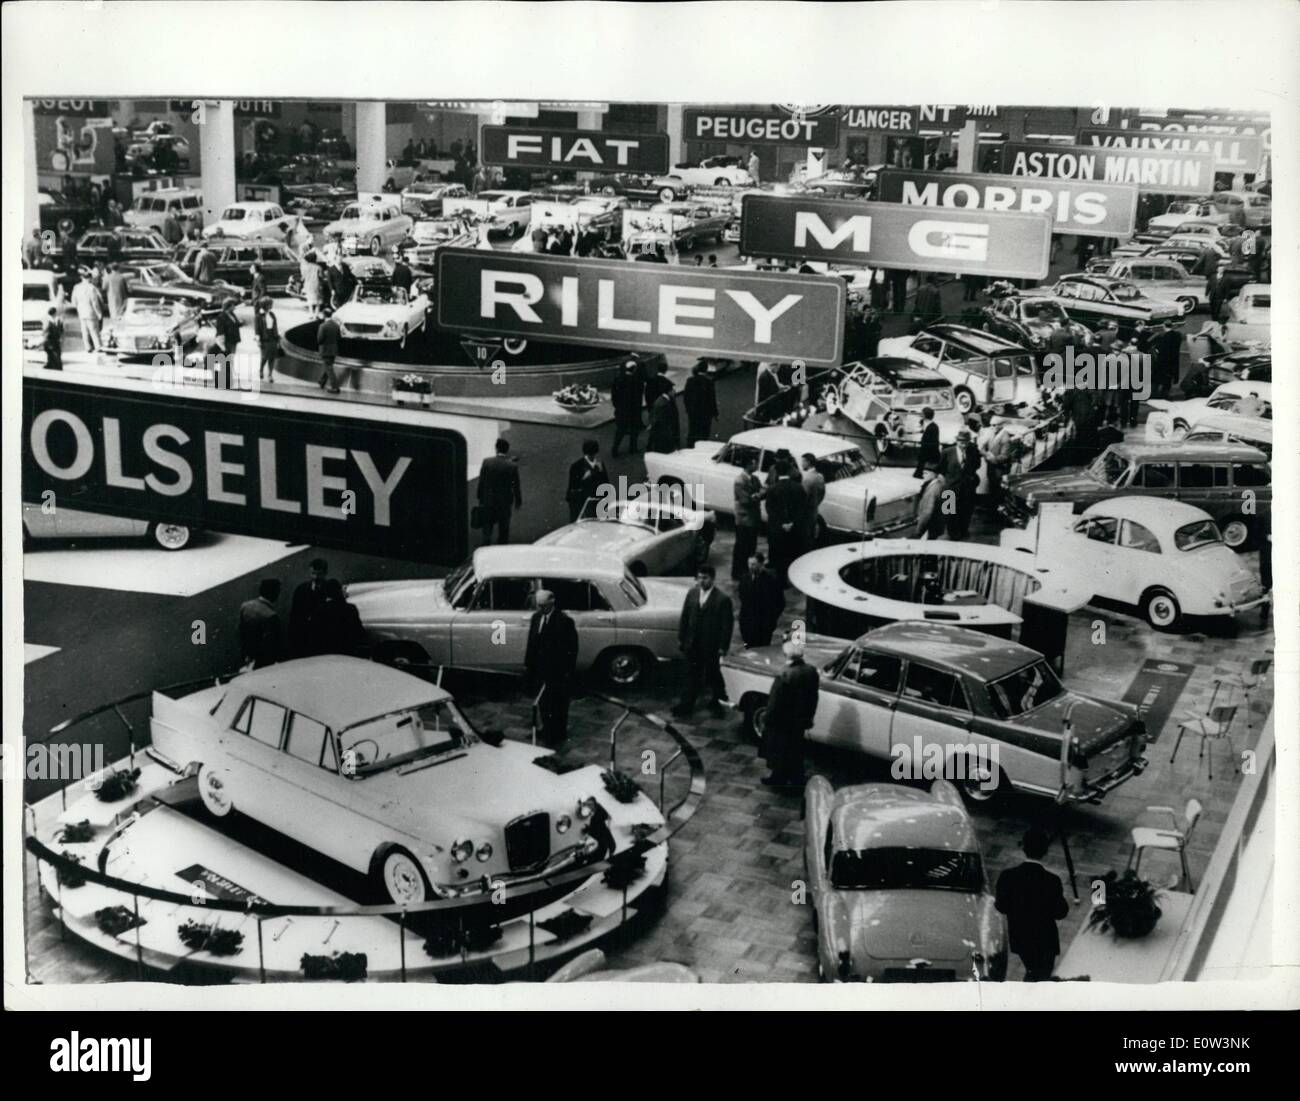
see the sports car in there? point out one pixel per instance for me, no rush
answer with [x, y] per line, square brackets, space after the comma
[379, 312]
[983, 369]
[898, 887]
[718, 171]
[651, 536]
[71, 523]
[149, 326]
[945, 701]
[382, 772]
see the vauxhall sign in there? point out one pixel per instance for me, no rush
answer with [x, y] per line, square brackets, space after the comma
[1088, 209]
[1163, 171]
[526, 147]
[282, 472]
[1233, 153]
[892, 235]
[652, 307]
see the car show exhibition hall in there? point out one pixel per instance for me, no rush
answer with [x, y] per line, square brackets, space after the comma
[511, 541]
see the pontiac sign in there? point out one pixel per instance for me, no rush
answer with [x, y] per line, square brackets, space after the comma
[655, 307]
[274, 470]
[525, 147]
[1088, 209]
[759, 127]
[1163, 171]
[891, 235]
[1233, 153]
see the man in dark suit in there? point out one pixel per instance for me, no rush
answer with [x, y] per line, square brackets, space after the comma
[303, 611]
[498, 493]
[929, 451]
[260, 639]
[961, 475]
[336, 627]
[626, 393]
[704, 634]
[787, 503]
[700, 398]
[1033, 901]
[762, 600]
[550, 661]
[586, 476]
[1168, 346]
[791, 706]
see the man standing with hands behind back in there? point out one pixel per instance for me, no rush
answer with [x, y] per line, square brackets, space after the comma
[498, 493]
[308, 598]
[550, 661]
[1033, 901]
[704, 634]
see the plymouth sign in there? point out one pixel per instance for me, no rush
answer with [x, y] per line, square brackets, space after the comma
[1088, 209]
[1162, 171]
[892, 235]
[651, 307]
[525, 147]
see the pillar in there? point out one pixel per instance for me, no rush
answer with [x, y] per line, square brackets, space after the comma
[31, 186]
[371, 145]
[589, 120]
[217, 156]
[968, 141]
[673, 126]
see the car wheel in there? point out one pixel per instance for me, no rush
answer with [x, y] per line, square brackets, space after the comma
[882, 439]
[980, 784]
[376, 245]
[402, 655]
[171, 537]
[754, 712]
[402, 878]
[667, 194]
[1160, 607]
[512, 230]
[623, 668]
[1179, 428]
[721, 181]
[1188, 304]
[638, 569]
[687, 244]
[213, 791]
[965, 401]
[608, 191]
[1236, 534]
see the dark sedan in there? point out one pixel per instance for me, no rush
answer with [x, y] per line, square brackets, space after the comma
[162, 279]
[236, 257]
[638, 188]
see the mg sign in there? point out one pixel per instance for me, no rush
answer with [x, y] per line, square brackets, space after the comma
[1233, 153]
[652, 307]
[891, 235]
[523, 147]
[1088, 209]
[1162, 171]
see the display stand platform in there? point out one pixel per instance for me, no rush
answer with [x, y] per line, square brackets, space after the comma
[1104, 957]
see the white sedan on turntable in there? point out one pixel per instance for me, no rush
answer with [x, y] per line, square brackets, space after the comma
[382, 772]
[379, 311]
[1172, 419]
[651, 536]
[860, 495]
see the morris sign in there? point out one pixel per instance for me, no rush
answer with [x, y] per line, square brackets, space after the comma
[652, 307]
[523, 147]
[1162, 171]
[891, 235]
[1087, 209]
[266, 469]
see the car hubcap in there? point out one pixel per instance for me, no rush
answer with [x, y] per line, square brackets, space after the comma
[625, 668]
[965, 402]
[980, 783]
[172, 536]
[1188, 304]
[1234, 534]
[1162, 611]
[403, 879]
[759, 723]
[212, 790]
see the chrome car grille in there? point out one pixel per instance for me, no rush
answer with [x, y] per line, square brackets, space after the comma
[32, 326]
[362, 329]
[528, 841]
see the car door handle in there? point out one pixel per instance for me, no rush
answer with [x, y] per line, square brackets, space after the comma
[605, 619]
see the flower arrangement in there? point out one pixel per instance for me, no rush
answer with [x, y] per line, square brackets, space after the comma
[117, 785]
[210, 938]
[345, 966]
[620, 785]
[412, 387]
[566, 925]
[115, 920]
[624, 870]
[77, 833]
[70, 876]
[577, 397]
[1128, 907]
[452, 937]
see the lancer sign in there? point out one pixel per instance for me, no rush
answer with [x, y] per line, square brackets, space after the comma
[1233, 153]
[883, 120]
[524, 147]
[655, 307]
[272, 469]
[891, 235]
[1161, 171]
[1087, 209]
[759, 127]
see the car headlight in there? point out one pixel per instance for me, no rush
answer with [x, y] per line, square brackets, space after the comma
[462, 851]
[1036, 340]
[390, 328]
[563, 824]
[1031, 501]
[483, 853]
[585, 809]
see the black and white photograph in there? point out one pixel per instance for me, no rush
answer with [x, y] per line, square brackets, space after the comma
[419, 600]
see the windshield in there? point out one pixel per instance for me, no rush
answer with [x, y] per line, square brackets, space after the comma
[350, 213]
[1180, 208]
[138, 307]
[1125, 292]
[841, 465]
[1108, 468]
[1024, 690]
[634, 589]
[381, 296]
[491, 196]
[903, 869]
[36, 292]
[390, 740]
[232, 214]
[1043, 311]
[1199, 533]
[462, 577]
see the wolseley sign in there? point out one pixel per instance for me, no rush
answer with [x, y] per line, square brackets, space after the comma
[1232, 153]
[525, 147]
[655, 307]
[266, 469]
[747, 127]
[1161, 171]
[894, 236]
[1087, 209]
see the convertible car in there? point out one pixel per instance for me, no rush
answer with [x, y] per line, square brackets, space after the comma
[381, 771]
[651, 536]
[898, 886]
[991, 710]
[379, 312]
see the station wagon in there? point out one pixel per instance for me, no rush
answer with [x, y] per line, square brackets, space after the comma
[983, 369]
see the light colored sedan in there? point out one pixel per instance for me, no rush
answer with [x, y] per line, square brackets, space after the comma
[651, 537]
[1249, 313]
[477, 617]
[1170, 420]
[898, 886]
[59, 522]
[378, 311]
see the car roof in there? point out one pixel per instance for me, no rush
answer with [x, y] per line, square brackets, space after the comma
[39, 278]
[877, 816]
[899, 371]
[974, 339]
[240, 242]
[1256, 288]
[336, 690]
[1179, 450]
[1157, 513]
[794, 440]
[527, 560]
[251, 203]
[981, 655]
[1214, 420]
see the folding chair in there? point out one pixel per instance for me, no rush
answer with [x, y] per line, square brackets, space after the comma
[1171, 840]
[1247, 682]
[1209, 727]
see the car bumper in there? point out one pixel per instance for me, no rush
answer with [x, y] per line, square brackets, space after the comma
[1093, 791]
[485, 885]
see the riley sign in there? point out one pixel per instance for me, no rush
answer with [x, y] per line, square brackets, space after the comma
[892, 235]
[652, 307]
[524, 147]
[1087, 209]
